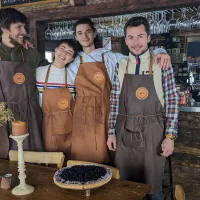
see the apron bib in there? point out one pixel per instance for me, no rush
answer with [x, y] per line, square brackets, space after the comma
[57, 106]
[140, 131]
[91, 112]
[17, 89]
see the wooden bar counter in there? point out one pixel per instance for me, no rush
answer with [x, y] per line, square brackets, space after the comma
[186, 157]
[42, 179]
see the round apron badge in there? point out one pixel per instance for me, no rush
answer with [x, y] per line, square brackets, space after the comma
[63, 103]
[19, 78]
[142, 93]
[98, 76]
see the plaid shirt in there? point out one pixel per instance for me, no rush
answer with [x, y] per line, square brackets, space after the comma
[170, 97]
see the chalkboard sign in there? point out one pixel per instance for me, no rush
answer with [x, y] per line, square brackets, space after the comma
[15, 2]
[20, 3]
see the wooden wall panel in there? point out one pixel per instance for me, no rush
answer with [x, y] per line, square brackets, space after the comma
[105, 9]
[186, 156]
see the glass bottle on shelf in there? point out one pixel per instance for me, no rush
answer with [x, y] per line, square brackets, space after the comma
[185, 66]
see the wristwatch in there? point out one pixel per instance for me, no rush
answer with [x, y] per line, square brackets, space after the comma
[171, 136]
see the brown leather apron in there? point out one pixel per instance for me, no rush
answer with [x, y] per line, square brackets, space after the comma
[17, 89]
[90, 121]
[57, 106]
[140, 131]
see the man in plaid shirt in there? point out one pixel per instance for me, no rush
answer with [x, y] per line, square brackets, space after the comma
[141, 94]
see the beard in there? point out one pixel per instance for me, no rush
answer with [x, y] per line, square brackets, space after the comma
[14, 41]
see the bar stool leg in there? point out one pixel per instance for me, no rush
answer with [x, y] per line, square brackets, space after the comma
[171, 179]
[170, 189]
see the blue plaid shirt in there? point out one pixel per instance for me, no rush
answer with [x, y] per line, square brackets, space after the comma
[170, 97]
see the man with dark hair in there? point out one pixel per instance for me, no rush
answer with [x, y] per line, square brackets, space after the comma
[92, 72]
[17, 81]
[142, 95]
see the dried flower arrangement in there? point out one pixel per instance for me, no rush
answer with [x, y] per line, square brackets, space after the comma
[5, 114]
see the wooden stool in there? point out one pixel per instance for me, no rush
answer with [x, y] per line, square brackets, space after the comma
[179, 193]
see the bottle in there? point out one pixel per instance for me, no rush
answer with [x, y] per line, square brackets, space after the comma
[185, 64]
[182, 98]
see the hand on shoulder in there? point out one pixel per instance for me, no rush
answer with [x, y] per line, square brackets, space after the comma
[27, 44]
[163, 60]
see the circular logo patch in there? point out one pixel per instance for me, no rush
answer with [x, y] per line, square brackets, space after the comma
[142, 93]
[19, 78]
[63, 103]
[98, 76]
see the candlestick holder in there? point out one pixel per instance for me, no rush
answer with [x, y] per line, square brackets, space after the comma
[22, 188]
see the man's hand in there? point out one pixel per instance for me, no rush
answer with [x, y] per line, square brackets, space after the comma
[164, 60]
[27, 44]
[111, 142]
[167, 147]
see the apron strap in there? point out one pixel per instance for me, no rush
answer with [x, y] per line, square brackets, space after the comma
[127, 66]
[102, 56]
[81, 60]
[151, 65]
[47, 77]
[22, 55]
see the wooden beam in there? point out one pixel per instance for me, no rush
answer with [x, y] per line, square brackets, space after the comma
[79, 2]
[33, 33]
[41, 38]
[105, 9]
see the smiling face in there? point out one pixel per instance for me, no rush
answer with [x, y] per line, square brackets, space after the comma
[137, 39]
[15, 34]
[85, 35]
[64, 54]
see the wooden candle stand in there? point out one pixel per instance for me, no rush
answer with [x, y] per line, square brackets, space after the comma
[22, 188]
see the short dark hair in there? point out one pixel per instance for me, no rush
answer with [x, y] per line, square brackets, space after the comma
[137, 21]
[71, 43]
[10, 16]
[97, 42]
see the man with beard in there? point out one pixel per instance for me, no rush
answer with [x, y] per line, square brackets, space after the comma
[142, 97]
[17, 81]
[92, 73]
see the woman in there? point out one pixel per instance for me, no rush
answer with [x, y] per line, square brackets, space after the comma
[56, 100]
[92, 73]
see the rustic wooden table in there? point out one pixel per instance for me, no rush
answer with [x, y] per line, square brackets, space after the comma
[42, 179]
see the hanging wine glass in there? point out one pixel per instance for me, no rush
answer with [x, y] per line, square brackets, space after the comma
[121, 27]
[48, 33]
[183, 23]
[172, 22]
[70, 30]
[152, 23]
[156, 27]
[163, 26]
[115, 29]
[110, 28]
[54, 33]
[195, 20]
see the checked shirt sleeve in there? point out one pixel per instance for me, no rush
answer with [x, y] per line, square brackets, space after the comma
[114, 102]
[171, 103]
